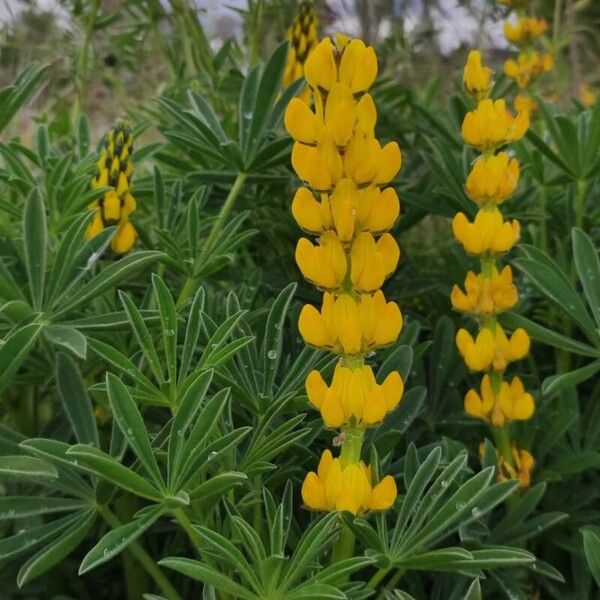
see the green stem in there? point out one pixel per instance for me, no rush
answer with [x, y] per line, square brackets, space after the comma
[145, 560]
[377, 577]
[343, 547]
[188, 527]
[191, 283]
[580, 203]
[502, 440]
[544, 223]
[393, 581]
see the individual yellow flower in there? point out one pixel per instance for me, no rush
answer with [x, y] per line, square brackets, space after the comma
[477, 79]
[324, 265]
[302, 36]
[346, 487]
[525, 30]
[523, 462]
[508, 403]
[366, 162]
[349, 326]
[486, 296]
[114, 170]
[492, 349]
[492, 125]
[493, 178]
[525, 104]
[587, 96]
[488, 234]
[372, 261]
[527, 67]
[354, 394]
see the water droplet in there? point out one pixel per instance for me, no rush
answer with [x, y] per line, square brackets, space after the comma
[129, 431]
[169, 332]
[444, 483]
[475, 512]
[272, 354]
[460, 505]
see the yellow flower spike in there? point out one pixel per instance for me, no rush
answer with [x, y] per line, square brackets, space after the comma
[486, 296]
[516, 403]
[358, 66]
[320, 69]
[492, 348]
[477, 79]
[348, 487]
[351, 326]
[302, 35]
[301, 123]
[354, 394]
[493, 178]
[324, 265]
[489, 234]
[525, 30]
[320, 167]
[492, 125]
[372, 261]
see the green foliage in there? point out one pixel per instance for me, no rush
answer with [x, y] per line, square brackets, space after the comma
[154, 425]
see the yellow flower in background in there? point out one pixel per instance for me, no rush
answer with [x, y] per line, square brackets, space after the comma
[510, 402]
[525, 30]
[351, 326]
[525, 104]
[486, 296]
[346, 487]
[492, 349]
[302, 36]
[587, 96]
[493, 178]
[527, 67]
[523, 462]
[477, 79]
[354, 394]
[114, 170]
[492, 125]
[488, 234]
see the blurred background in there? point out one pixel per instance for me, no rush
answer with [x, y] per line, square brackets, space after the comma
[110, 57]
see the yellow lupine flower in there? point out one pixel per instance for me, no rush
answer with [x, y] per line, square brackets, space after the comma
[302, 35]
[349, 326]
[523, 466]
[114, 169]
[492, 125]
[488, 234]
[348, 210]
[346, 487]
[372, 261]
[366, 162]
[524, 103]
[587, 96]
[324, 265]
[492, 349]
[509, 403]
[477, 79]
[527, 67]
[493, 178]
[486, 296]
[525, 30]
[354, 394]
